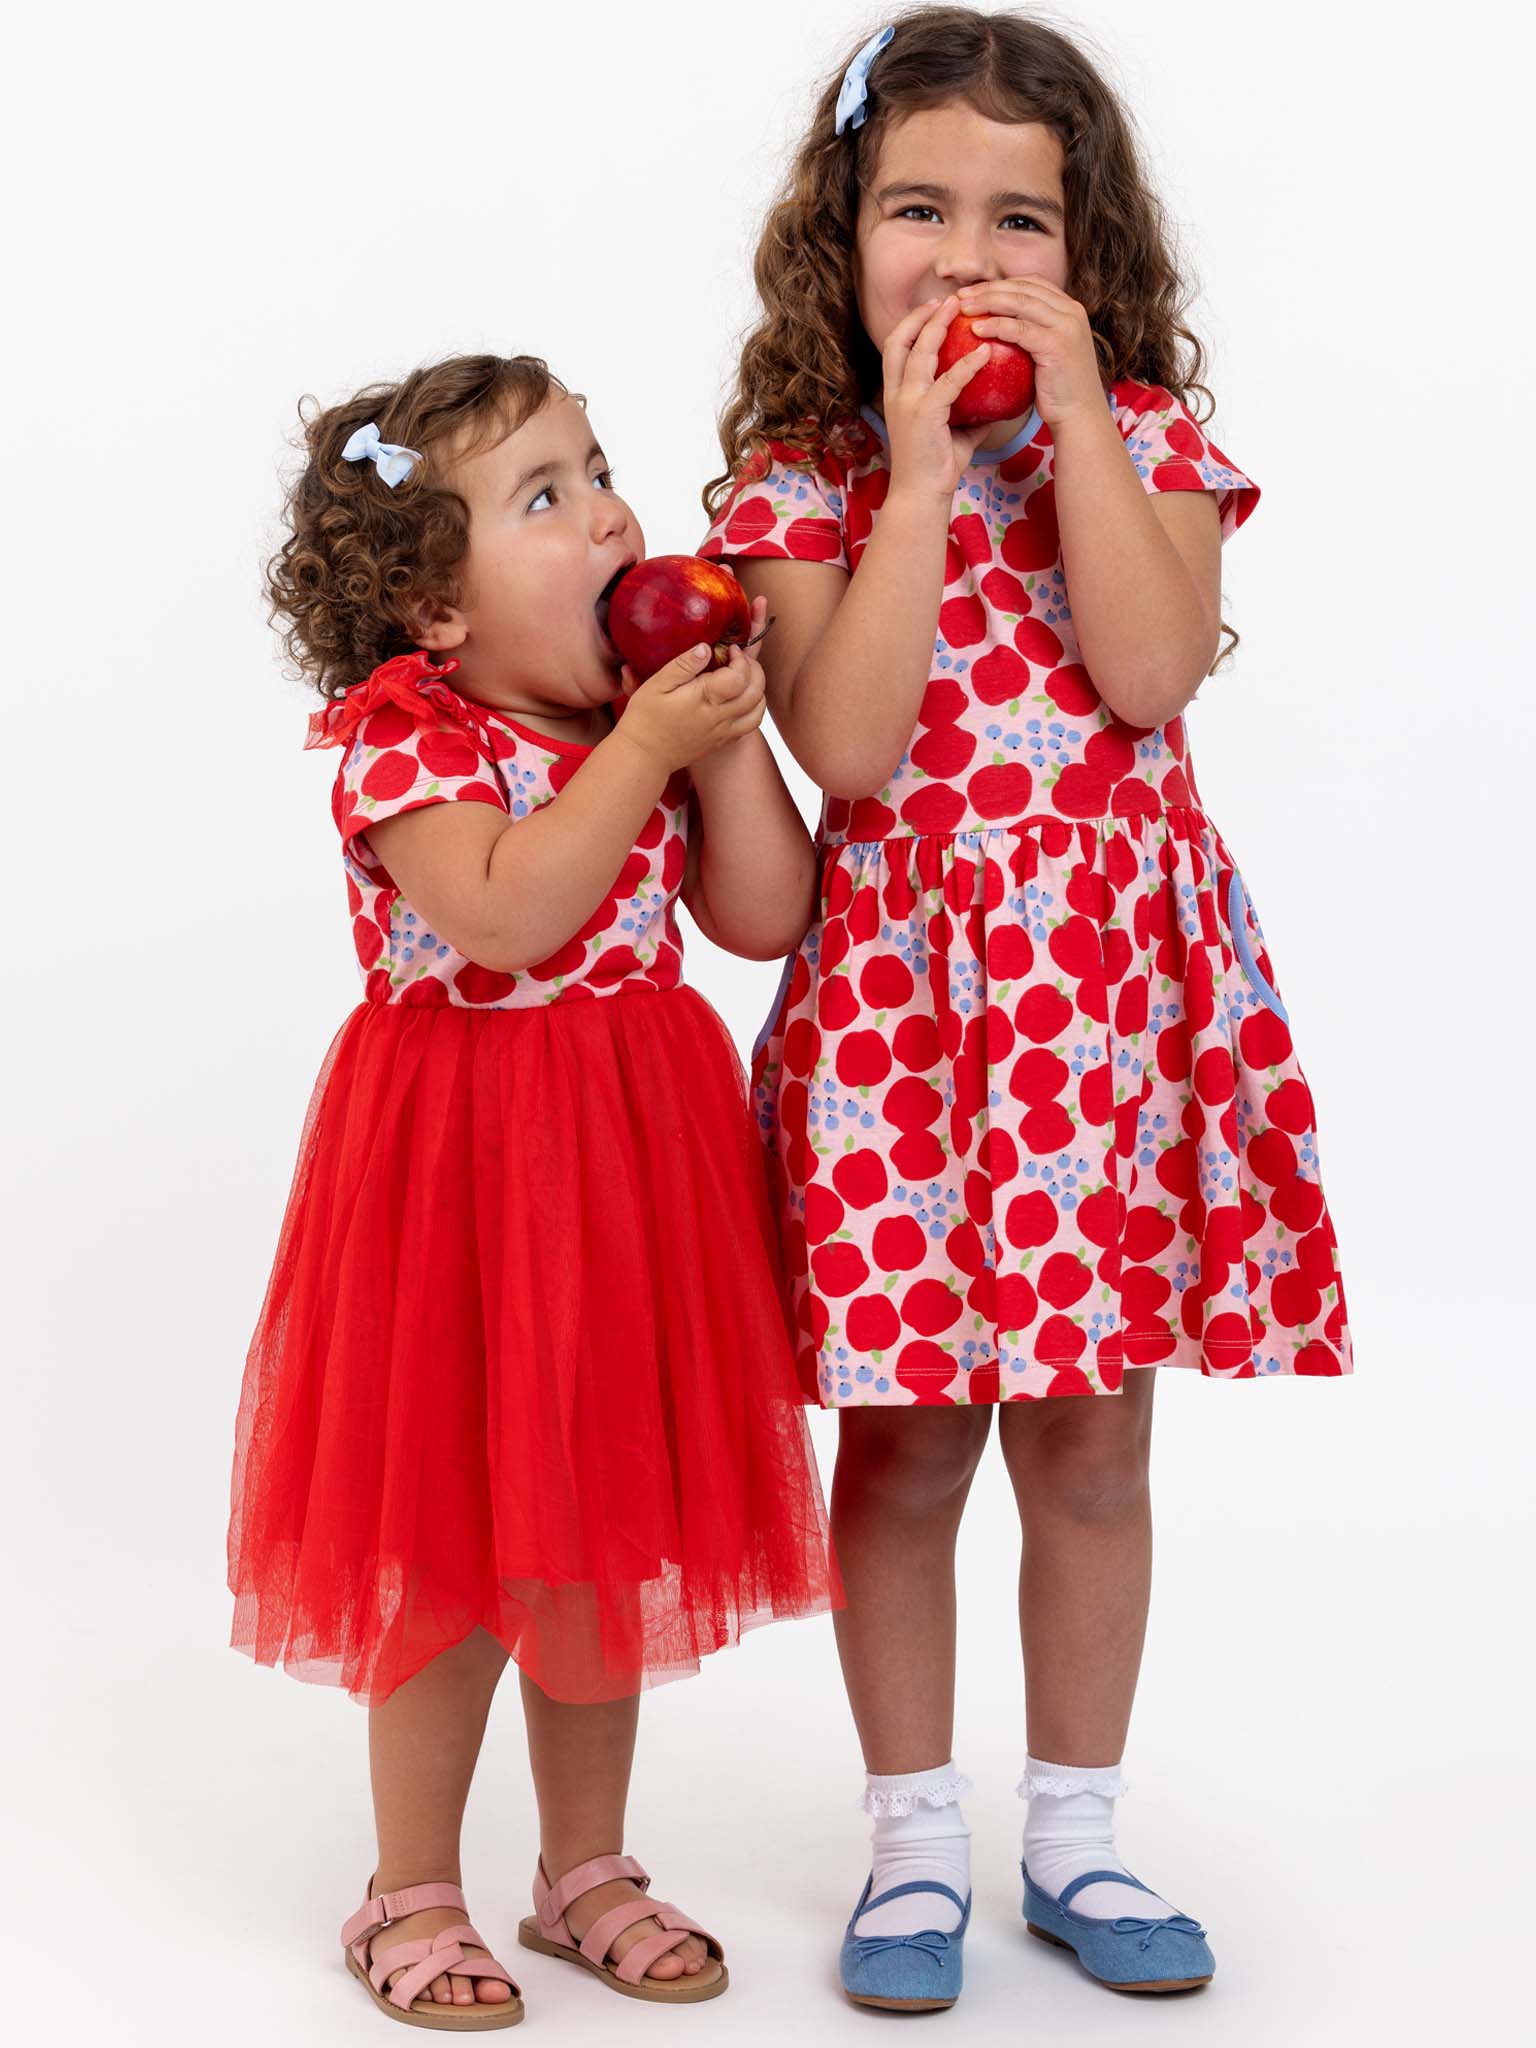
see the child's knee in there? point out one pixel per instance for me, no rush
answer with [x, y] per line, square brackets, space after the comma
[1082, 1470]
[914, 1462]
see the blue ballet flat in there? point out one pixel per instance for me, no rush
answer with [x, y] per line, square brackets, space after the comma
[905, 1972]
[1167, 1954]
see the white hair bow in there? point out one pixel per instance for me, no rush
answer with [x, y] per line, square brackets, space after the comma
[855, 87]
[393, 463]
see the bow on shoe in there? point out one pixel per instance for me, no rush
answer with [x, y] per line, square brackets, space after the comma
[393, 462]
[931, 1941]
[1173, 1923]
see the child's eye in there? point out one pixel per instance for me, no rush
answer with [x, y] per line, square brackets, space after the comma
[605, 478]
[547, 492]
[907, 212]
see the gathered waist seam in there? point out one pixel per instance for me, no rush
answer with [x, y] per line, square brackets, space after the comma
[1033, 822]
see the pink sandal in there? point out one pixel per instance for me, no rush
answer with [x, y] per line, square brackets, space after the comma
[426, 1959]
[546, 1931]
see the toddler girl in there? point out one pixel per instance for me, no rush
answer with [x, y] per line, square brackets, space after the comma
[523, 1382]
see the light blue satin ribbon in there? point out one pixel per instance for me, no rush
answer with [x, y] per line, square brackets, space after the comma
[393, 462]
[855, 87]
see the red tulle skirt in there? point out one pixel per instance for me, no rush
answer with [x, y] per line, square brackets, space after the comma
[523, 1361]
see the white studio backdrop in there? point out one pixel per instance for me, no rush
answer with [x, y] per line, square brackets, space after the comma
[214, 208]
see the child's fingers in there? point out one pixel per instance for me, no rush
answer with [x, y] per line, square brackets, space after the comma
[1005, 327]
[907, 337]
[688, 665]
[954, 380]
[735, 677]
[923, 361]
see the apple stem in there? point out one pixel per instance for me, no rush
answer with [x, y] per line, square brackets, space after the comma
[760, 636]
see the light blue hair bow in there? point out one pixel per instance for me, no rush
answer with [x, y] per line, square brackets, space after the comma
[393, 462]
[855, 87]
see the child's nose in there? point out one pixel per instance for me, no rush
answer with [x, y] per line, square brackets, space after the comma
[609, 513]
[964, 258]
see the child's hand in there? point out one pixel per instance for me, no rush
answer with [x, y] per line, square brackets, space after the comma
[684, 712]
[742, 682]
[1055, 330]
[928, 456]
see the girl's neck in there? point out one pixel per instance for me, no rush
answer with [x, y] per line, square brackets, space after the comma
[576, 726]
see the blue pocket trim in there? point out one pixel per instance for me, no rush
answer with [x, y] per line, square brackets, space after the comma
[1237, 918]
[769, 1021]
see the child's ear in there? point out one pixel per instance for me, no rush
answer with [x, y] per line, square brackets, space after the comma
[440, 628]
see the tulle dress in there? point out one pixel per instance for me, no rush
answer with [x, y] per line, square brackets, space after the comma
[1030, 1096]
[524, 1360]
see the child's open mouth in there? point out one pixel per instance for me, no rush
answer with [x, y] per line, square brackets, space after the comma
[605, 601]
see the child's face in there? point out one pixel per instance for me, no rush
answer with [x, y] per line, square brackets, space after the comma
[547, 533]
[956, 199]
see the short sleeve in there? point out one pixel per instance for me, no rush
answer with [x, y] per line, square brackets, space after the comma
[781, 508]
[396, 763]
[1173, 452]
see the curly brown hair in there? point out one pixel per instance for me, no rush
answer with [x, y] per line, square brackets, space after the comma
[362, 562]
[807, 365]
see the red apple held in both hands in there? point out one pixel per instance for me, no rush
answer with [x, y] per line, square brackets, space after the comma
[659, 609]
[1002, 389]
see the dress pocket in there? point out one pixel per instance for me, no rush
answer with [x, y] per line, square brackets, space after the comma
[1245, 930]
[772, 1017]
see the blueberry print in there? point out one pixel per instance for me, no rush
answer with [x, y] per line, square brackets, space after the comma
[1083, 1142]
[410, 740]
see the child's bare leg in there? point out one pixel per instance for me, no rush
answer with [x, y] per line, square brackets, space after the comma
[423, 1743]
[897, 1495]
[581, 1758]
[1080, 1473]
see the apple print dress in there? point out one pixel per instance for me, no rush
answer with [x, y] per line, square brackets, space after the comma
[1029, 1095]
[525, 1358]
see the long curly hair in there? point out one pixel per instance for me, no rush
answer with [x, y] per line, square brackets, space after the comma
[363, 564]
[807, 365]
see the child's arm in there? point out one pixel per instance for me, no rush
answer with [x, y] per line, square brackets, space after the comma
[510, 893]
[750, 882]
[750, 879]
[1143, 574]
[850, 657]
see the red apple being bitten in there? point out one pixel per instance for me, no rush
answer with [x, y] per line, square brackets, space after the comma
[1002, 389]
[659, 609]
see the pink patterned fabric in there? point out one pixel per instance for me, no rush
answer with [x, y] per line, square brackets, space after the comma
[409, 741]
[1029, 1093]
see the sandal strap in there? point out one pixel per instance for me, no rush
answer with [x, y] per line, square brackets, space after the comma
[386, 1906]
[634, 1963]
[607, 1927]
[596, 1870]
[422, 1961]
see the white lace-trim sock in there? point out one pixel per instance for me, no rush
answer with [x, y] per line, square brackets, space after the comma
[920, 1836]
[1071, 1828]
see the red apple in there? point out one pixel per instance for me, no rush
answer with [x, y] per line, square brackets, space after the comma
[1002, 389]
[661, 608]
